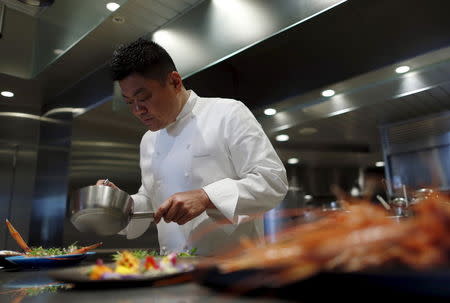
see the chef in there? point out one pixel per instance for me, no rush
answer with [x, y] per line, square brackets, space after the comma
[208, 170]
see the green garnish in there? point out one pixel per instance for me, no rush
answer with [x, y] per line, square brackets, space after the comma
[138, 253]
[143, 253]
[189, 253]
[40, 251]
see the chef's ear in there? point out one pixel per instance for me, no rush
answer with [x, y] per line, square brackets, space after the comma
[175, 80]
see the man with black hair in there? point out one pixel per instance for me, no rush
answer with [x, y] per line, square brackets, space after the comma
[207, 166]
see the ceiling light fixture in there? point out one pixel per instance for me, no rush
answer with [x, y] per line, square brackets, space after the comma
[7, 94]
[379, 164]
[402, 69]
[75, 111]
[112, 6]
[163, 36]
[270, 111]
[328, 93]
[30, 116]
[308, 197]
[282, 138]
[293, 160]
[58, 51]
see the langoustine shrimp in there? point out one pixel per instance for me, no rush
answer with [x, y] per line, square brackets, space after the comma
[349, 241]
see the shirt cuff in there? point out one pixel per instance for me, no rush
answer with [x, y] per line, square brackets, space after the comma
[136, 227]
[224, 195]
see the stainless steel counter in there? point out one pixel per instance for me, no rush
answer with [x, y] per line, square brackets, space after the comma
[33, 286]
[37, 286]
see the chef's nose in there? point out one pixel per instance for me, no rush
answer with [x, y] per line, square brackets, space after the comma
[139, 108]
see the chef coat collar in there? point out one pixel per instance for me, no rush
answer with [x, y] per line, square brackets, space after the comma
[187, 109]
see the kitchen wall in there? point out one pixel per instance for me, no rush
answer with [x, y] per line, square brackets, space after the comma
[18, 159]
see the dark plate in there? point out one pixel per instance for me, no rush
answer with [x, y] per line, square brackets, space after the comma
[47, 262]
[376, 285]
[79, 277]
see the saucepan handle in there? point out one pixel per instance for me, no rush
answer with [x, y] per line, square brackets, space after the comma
[142, 215]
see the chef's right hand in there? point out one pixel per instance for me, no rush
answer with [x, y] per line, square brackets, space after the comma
[109, 183]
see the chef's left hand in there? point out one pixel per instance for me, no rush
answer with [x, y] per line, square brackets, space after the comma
[183, 207]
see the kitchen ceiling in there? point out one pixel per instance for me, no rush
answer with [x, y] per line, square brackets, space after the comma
[88, 45]
[135, 18]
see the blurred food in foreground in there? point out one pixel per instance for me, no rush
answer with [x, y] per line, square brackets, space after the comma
[362, 237]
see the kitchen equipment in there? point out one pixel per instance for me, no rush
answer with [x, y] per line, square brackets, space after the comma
[383, 202]
[399, 207]
[103, 210]
[422, 194]
[331, 206]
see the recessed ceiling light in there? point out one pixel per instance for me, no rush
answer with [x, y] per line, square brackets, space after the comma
[7, 94]
[402, 69]
[308, 197]
[282, 137]
[270, 111]
[162, 36]
[112, 6]
[307, 131]
[58, 51]
[379, 164]
[293, 160]
[328, 93]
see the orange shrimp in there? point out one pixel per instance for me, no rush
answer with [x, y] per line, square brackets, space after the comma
[85, 249]
[347, 241]
[16, 236]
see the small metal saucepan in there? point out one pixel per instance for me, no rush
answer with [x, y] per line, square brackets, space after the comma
[103, 210]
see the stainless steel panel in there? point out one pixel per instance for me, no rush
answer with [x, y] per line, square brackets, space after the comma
[418, 134]
[6, 184]
[50, 194]
[18, 141]
[24, 176]
[417, 153]
[217, 30]
[424, 168]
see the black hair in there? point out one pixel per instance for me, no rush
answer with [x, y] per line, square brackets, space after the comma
[143, 57]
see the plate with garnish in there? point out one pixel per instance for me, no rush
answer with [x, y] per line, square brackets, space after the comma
[129, 271]
[39, 257]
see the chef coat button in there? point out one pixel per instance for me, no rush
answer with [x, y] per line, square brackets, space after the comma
[157, 153]
[186, 174]
[188, 146]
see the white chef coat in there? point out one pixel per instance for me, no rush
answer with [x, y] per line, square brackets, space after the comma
[218, 145]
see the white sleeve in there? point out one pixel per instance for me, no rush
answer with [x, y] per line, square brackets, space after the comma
[262, 182]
